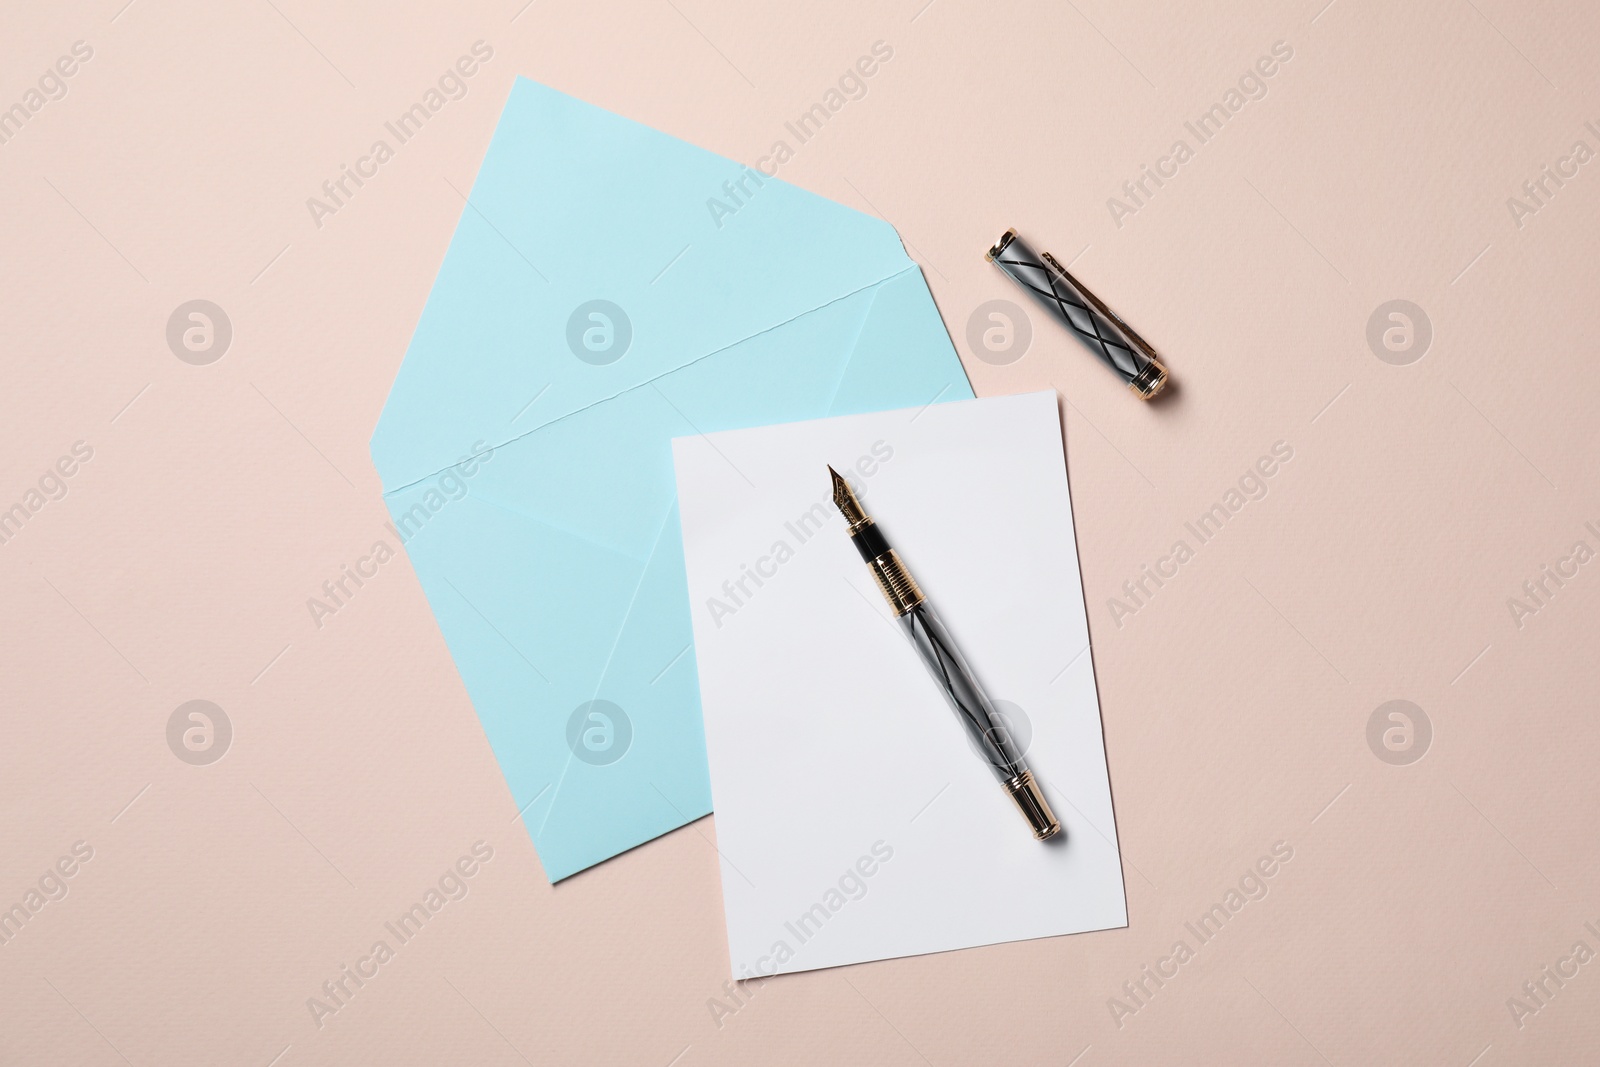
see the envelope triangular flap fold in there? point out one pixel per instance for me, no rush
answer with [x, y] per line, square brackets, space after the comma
[575, 204]
[526, 608]
[584, 623]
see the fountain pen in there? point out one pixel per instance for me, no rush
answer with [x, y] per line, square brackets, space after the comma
[945, 663]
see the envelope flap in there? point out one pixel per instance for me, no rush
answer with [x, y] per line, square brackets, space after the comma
[605, 473]
[595, 254]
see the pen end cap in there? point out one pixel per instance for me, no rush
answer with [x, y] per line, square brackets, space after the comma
[1151, 381]
[1035, 808]
[1000, 245]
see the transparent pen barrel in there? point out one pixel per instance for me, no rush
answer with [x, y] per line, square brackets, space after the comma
[967, 699]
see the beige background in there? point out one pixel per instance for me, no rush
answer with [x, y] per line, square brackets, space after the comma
[220, 497]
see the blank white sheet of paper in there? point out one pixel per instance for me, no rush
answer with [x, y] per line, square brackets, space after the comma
[855, 819]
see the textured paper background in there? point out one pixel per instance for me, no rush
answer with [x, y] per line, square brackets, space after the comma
[1236, 701]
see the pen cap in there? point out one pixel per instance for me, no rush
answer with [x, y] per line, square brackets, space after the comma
[1089, 319]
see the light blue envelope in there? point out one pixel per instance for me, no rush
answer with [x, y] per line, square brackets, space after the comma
[593, 304]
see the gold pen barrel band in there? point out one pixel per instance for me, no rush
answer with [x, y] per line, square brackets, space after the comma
[895, 582]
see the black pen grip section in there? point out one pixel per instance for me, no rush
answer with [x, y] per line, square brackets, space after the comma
[870, 542]
[1056, 292]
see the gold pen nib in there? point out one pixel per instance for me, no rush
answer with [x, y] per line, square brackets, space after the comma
[844, 498]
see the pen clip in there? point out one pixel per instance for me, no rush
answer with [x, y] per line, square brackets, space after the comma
[1100, 306]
